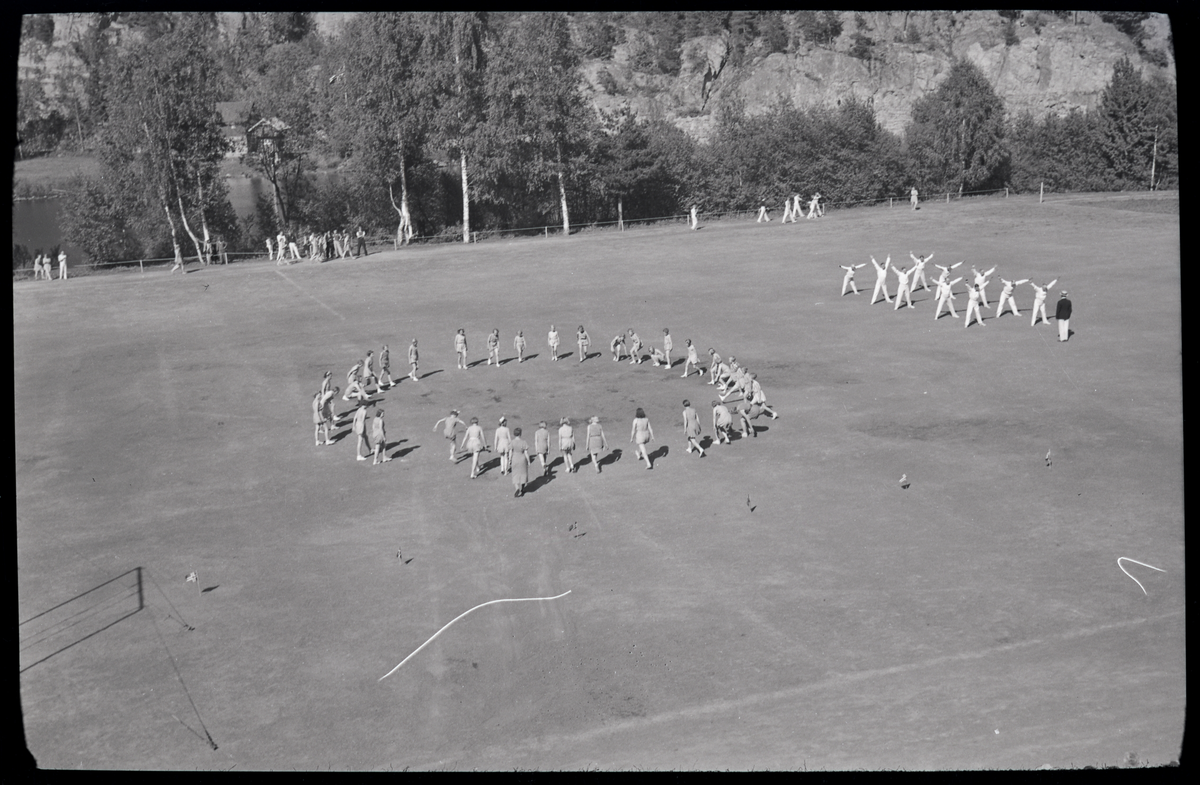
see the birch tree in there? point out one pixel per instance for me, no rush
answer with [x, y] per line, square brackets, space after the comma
[388, 114]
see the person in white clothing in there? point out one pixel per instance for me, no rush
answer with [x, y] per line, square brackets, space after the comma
[1039, 302]
[881, 279]
[903, 274]
[814, 207]
[848, 281]
[1006, 296]
[695, 220]
[797, 208]
[787, 210]
[552, 342]
[270, 251]
[762, 213]
[945, 270]
[918, 270]
[945, 297]
[973, 306]
[981, 281]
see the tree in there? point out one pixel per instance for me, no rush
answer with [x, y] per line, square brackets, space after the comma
[390, 118]
[454, 60]
[956, 137]
[162, 133]
[282, 96]
[1126, 128]
[538, 121]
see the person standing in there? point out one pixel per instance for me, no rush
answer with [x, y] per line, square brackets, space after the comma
[362, 242]
[460, 348]
[62, 265]
[973, 306]
[270, 251]
[566, 442]
[362, 448]
[848, 281]
[493, 345]
[902, 292]
[474, 442]
[787, 211]
[552, 341]
[912, 197]
[1006, 295]
[519, 345]
[518, 462]
[918, 270]
[881, 279]
[501, 440]
[541, 445]
[667, 346]
[981, 282]
[452, 423]
[295, 251]
[1039, 302]
[412, 360]
[1062, 314]
[692, 361]
[346, 250]
[328, 421]
[385, 368]
[695, 219]
[642, 434]
[814, 207]
[318, 419]
[584, 342]
[691, 428]
[595, 441]
[380, 438]
[945, 297]
[368, 371]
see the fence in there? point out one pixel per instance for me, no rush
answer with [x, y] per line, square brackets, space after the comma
[549, 229]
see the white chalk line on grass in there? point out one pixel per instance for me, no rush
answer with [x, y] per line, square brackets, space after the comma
[456, 618]
[309, 294]
[737, 704]
[1135, 580]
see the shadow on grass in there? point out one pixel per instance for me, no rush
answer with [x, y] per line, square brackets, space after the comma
[611, 458]
[661, 452]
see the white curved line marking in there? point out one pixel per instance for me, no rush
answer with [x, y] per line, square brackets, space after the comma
[456, 618]
[1135, 580]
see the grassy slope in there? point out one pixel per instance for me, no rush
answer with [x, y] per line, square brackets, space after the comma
[843, 623]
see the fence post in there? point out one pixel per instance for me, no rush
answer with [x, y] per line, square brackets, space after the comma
[1006, 192]
[947, 197]
[141, 267]
[889, 201]
[546, 229]
[1041, 191]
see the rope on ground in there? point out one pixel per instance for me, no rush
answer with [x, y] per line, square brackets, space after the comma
[477, 607]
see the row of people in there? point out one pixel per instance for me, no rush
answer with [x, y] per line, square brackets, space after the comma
[318, 247]
[909, 279]
[793, 210]
[42, 266]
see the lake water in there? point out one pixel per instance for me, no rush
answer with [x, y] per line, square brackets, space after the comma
[35, 221]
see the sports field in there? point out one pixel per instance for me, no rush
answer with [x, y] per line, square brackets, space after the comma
[781, 603]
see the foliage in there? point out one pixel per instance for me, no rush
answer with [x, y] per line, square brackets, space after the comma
[92, 219]
[956, 137]
[1126, 131]
[819, 27]
[597, 35]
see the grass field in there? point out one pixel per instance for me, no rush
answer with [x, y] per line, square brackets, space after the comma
[779, 604]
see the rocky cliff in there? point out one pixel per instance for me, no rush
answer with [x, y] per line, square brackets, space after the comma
[1054, 68]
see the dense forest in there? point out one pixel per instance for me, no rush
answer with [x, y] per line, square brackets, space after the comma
[444, 124]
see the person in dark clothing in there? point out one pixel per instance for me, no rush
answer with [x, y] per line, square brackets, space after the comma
[1062, 313]
[362, 243]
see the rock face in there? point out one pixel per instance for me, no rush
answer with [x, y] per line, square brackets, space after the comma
[1056, 68]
